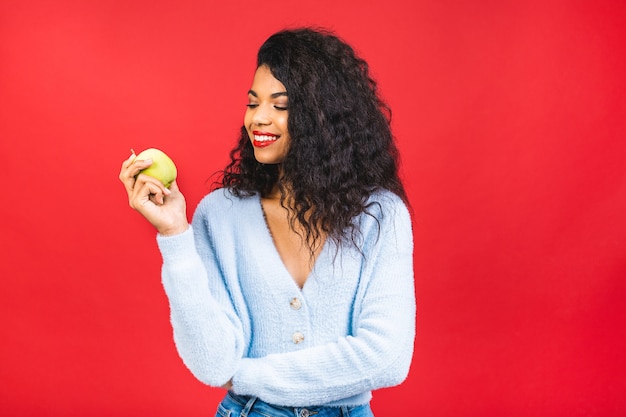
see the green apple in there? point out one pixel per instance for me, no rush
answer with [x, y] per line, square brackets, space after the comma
[162, 168]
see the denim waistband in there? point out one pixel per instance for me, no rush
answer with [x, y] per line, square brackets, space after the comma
[234, 405]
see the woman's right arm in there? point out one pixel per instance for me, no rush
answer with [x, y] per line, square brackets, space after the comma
[207, 331]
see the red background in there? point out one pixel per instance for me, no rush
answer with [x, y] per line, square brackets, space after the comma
[510, 117]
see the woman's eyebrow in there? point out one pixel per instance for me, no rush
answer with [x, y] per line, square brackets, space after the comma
[273, 95]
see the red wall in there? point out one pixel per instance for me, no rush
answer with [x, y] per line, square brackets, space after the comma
[510, 116]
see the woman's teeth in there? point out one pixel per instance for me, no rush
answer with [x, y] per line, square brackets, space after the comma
[264, 138]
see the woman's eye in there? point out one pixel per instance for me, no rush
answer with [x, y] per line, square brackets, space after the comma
[279, 107]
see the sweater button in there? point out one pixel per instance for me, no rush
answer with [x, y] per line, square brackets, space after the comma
[295, 303]
[297, 338]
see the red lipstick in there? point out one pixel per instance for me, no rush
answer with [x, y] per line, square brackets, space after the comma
[263, 139]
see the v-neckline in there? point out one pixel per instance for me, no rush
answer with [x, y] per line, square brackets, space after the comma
[276, 253]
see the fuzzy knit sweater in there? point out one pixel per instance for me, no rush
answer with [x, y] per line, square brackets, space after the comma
[238, 315]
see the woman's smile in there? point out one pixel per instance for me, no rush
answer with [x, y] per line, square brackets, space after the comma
[263, 139]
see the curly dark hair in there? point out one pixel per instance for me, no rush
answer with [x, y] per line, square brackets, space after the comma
[342, 149]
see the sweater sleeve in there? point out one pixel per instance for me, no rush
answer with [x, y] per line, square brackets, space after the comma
[207, 331]
[379, 351]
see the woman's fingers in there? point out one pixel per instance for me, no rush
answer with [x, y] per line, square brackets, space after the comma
[147, 190]
[164, 209]
[127, 179]
[131, 167]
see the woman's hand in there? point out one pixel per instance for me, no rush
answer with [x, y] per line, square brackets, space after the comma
[164, 208]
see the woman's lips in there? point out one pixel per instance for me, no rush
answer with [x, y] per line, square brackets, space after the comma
[263, 139]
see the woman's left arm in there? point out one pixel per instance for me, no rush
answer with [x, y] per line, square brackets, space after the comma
[379, 352]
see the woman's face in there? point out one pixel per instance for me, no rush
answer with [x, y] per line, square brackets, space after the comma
[266, 117]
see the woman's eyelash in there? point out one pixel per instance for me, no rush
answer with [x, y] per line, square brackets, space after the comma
[254, 105]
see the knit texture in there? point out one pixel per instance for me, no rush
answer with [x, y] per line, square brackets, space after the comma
[238, 315]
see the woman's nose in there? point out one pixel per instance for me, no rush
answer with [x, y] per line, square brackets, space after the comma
[261, 116]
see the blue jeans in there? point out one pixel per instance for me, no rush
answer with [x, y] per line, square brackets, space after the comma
[234, 405]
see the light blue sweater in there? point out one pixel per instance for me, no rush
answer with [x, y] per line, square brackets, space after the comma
[238, 314]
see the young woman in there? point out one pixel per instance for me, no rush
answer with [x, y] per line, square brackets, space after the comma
[293, 285]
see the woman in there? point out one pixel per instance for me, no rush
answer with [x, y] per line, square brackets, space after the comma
[293, 285]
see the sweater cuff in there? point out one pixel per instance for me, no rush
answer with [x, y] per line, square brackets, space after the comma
[177, 247]
[246, 380]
